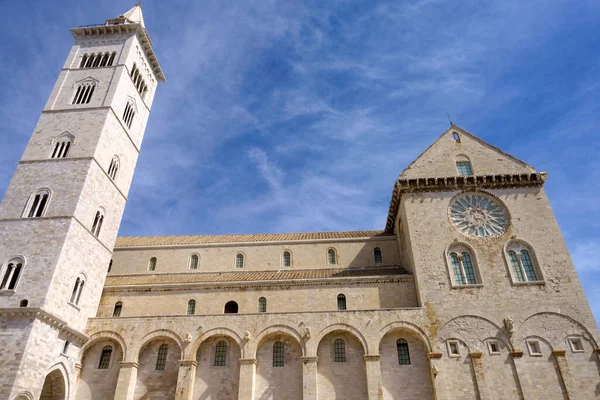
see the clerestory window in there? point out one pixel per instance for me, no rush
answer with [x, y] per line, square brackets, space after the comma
[287, 259]
[194, 259]
[105, 357]
[464, 168]
[377, 255]
[118, 308]
[403, 353]
[262, 304]
[239, 260]
[339, 350]
[191, 307]
[161, 358]
[331, 257]
[341, 302]
[278, 354]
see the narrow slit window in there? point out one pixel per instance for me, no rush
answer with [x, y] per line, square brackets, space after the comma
[403, 353]
[191, 308]
[341, 302]
[220, 354]
[377, 255]
[113, 168]
[97, 225]
[331, 257]
[278, 354]
[339, 350]
[194, 261]
[287, 259]
[105, 357]
[161, 358]
[239, 260]
[152, 264]
[262, 304]
[77, 291]
[118, 308]
[84, 93]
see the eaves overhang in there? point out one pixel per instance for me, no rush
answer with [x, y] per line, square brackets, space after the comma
[448, 184]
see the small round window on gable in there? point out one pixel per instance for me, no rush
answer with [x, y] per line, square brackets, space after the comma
[478, 215]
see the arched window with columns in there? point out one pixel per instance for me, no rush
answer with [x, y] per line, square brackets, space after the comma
[522, 262]
[462, 265]
[11, 273]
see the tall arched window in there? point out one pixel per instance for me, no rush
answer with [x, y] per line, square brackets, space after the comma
[191, 309]
[161, 358]
[341, 302]
[331, 257]
[84, 92]
[194, 261]
[97, 225]
[61, 147]
[77, 290]
[152, 264]
[339, 350]
[36, 205]
[377, 255]
[129, 113]
[523, 263]
[113, 168]
[262, 305]
[220, 354]
[287, 259]
[118, 308]
[403, 353]
[11, 274]
[278, 354]
[239, 260]
[231, 307]
[105, 357]
[463, 266]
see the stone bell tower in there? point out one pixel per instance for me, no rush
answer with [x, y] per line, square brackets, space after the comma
[61, 212]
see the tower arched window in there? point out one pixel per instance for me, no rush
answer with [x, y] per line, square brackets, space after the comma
[138, 81]
[129, 113]
[84, 92]
[37, 204]
[287, 259]
[105, 357]
[339, 350]
[262, 304]
[77, 290]
[194, 261]
[98, 220]
[239, 260]
[61, 146]
[220, 354]
[523, 262]
[152, 264]
[463, 166]
[341, 302]
[11, 273]
[231, 307]
[117, 309]
[278, 354]
[191, 308]
[403, 353]
[113, 168]
[331, 257]
[463, 266]
[377, 255]
[161, 358]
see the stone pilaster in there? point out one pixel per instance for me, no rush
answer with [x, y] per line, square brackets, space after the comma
[309, 378]
[565, 372]
[373, 369]
[434, 371]
[479, 374]
[126, 382]
[517, 360]
[247, 378]
[185, 380]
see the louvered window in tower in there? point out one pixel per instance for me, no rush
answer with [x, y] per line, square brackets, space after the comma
[84, 93]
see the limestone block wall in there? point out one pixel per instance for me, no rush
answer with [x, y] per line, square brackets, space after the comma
[281, 382]
[153, 383]
[369, 295]
[95, 383]
[257, 256]
[219, 382]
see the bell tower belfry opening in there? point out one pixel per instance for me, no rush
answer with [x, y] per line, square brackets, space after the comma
[61, 212]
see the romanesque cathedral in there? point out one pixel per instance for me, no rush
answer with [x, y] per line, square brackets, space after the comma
[468, 292]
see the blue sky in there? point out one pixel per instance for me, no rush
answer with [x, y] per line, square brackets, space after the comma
[282, 116]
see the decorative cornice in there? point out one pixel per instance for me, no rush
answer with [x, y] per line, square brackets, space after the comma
[448, 184]
[77, 337]
[372, 357]
[188, 363]
[111, 29]
[129, 364]
[434, 355]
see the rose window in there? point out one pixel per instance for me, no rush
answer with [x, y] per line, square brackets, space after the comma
[478, 215]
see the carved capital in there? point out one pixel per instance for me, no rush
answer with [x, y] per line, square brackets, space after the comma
[307, 360]
[434, 355]
[188, 363]
[129, 364]
[372, 357]
[516, 353]
[559, 352]
[248, 361]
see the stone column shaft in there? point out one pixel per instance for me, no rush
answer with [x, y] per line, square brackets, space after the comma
[126, 381]
[565, 372]
[309, 378]
[433, 372]
[185, 380]
[373, 369]
[516, 357]
[480, 381]
[247, 378]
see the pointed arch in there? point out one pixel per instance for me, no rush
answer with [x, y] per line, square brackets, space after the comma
[37, 204]
[61, 144]
[10, 273]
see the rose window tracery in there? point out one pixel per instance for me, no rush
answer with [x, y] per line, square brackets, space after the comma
[478, 215]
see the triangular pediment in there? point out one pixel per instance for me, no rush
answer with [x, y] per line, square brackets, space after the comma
[456, 144]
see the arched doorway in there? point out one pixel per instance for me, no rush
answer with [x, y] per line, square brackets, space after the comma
[54, 386]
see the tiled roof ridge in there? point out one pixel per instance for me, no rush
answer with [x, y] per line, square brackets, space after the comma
[132, 241]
